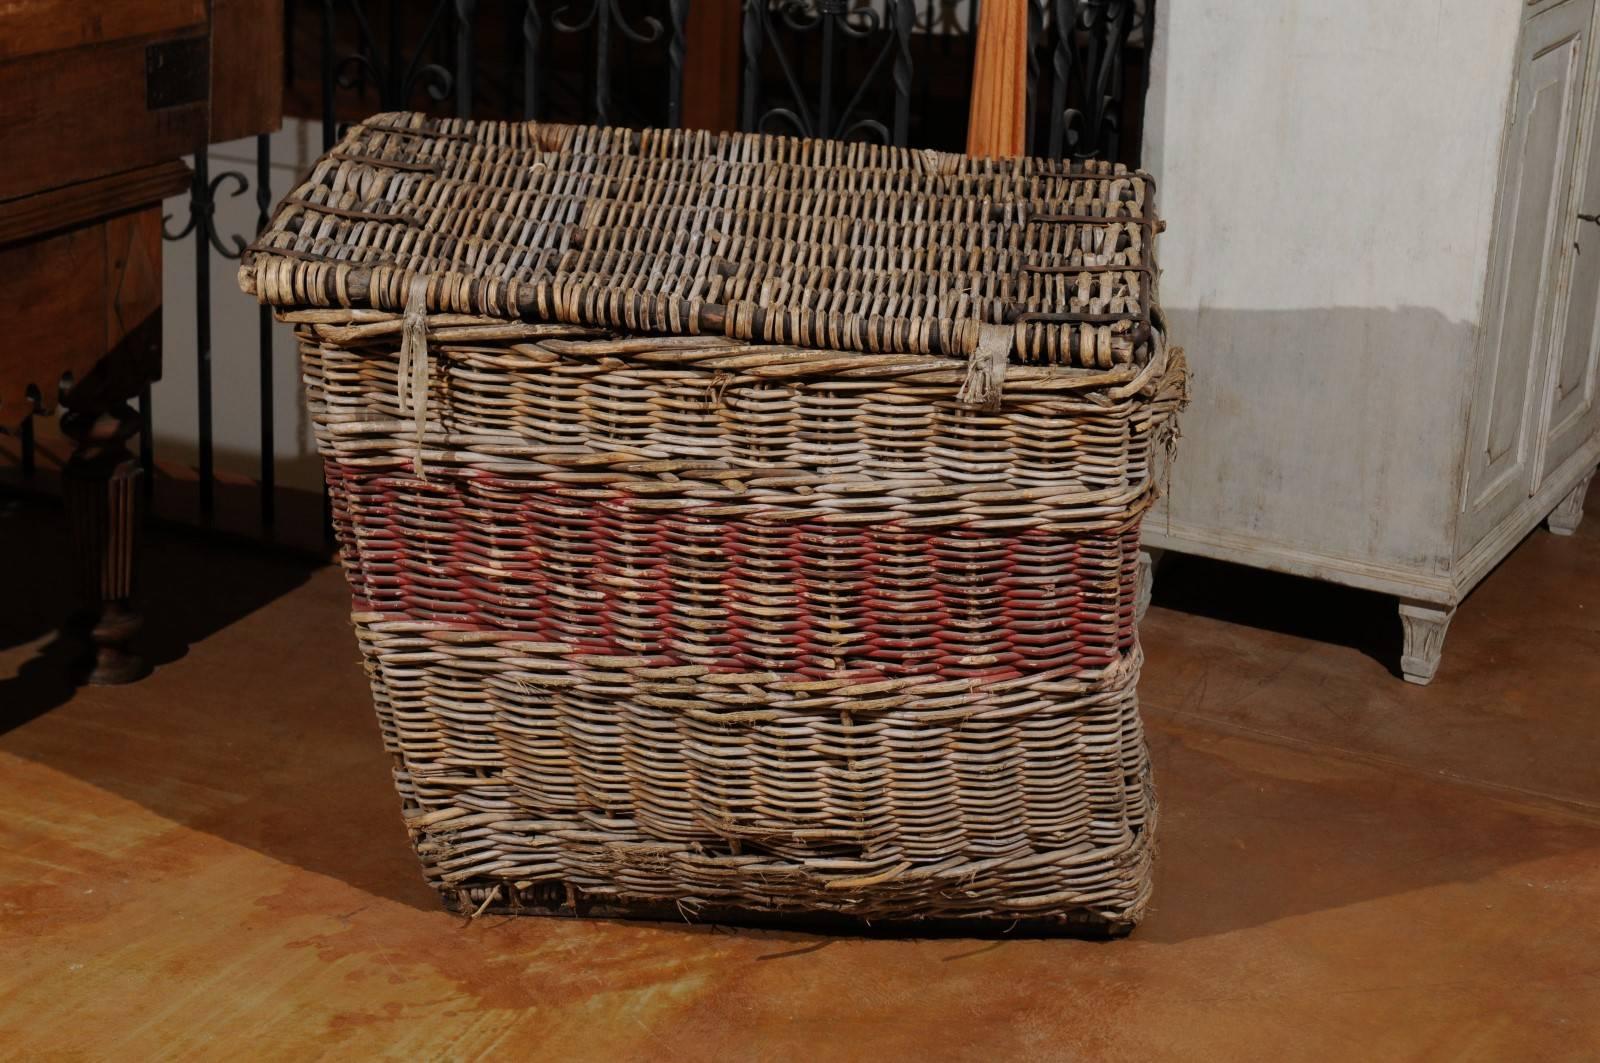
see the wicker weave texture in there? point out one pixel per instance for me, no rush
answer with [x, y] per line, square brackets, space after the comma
[659, 627]
[715, 622]
[816, 243]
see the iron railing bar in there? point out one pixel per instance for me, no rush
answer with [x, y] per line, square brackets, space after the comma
[1117, 26]
[147, 443]
[268, 456]
[532, 26]
[753, 32]
[905, 20]
[1036, 37]
[1066, 14]
[27, 458]
[327, 74]
[602, 62]
[678, 12]
[200, 193]
[392, 89]
[466, 56]
[824, 125]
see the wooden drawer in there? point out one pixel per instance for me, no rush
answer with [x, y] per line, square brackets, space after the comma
[84, 307]
[93, 89]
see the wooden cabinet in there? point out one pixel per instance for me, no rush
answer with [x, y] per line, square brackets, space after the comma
[97, 104]
[1398, 448]
[1571, 407]
[1533, 433]
[1526, 259]
[88, 90]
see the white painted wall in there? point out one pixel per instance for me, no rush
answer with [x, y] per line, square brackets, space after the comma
[1327, 169]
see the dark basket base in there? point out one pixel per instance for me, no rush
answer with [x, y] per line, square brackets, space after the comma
[574, 905]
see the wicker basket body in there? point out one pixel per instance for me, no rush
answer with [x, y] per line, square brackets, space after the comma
[733, 621]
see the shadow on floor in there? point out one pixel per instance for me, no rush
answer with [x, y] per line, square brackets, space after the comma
[232, 734]
[1252, 833]
[180, 606]
[1289, 605]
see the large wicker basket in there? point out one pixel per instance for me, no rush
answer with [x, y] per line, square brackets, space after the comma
[740, 525]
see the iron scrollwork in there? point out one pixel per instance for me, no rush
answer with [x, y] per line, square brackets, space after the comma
[951, 18]
[838, 31]
[203, 193]
[608, 23]
[1085, 41]
[392, 65]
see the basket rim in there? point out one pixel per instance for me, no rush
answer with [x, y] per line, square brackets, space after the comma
[732, 359]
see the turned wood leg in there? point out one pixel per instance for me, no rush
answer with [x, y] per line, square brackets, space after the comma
[1148, 560]
[1425, 625]
[1566, 517]
[100, 486]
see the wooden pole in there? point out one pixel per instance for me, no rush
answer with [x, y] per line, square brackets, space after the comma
[711, 66]
[995, 124]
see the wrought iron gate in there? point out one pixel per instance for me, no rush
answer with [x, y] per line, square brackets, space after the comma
[889, 70]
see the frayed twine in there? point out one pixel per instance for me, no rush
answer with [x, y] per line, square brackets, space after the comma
[986, 368]
[411, 375]
[716, 387]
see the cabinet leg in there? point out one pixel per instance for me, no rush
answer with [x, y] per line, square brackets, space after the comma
[100, 486]
[1566, 517]
[1425, 625]
[1148, 560]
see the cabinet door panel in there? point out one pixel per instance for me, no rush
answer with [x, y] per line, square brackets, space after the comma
[1527, 260]
[1573, 416]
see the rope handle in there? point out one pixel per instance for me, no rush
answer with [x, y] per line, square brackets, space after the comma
[411, 375]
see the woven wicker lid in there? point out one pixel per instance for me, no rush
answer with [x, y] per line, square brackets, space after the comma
[810, 243]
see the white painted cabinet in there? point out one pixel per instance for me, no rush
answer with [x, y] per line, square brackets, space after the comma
[1422, 384]
[1526, 260]
[1571, 413]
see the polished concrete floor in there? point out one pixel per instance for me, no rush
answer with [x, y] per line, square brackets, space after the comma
[210, 863]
